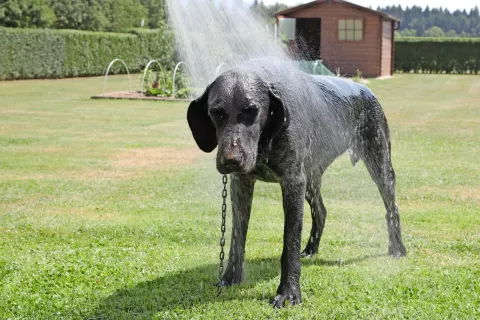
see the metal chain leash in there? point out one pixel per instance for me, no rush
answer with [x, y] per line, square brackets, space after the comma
[223, 228]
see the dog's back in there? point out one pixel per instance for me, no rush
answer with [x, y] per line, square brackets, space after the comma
[331, 114]
[366, 119]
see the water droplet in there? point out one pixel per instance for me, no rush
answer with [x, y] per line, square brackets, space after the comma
[206, 45]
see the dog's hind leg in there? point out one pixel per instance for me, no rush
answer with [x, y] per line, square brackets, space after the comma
[376, 155]
[319, 214]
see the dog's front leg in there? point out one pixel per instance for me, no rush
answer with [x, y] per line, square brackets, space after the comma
[293, 192]
[241, 188]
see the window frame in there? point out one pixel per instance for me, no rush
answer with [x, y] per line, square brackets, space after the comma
[354, 29]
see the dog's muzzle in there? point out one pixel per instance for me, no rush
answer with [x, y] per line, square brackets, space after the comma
[231, 162]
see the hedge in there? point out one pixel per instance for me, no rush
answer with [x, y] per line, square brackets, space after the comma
[36, 53]
[437, 55]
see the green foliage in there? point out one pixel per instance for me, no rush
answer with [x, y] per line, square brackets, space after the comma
[188, 92]
[407, 33]
[156, 13]
[125, 14]
[358, 76]
[158, 92]
[26, 13]
[466, 24]
[434, 32]
[159, 83]
[80, 15]
[437, 55]
[101, 15]
[33, 53]
[451, 34]
[94, 15]
[268, 12]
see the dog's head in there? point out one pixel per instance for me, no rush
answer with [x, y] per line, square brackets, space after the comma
[236, 112]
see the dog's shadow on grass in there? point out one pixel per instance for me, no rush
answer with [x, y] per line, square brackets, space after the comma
[191, 287]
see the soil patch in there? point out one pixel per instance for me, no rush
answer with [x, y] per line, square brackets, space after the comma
[155, 157]
[127, 95]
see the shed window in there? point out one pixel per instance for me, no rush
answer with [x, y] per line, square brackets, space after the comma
[350, 29]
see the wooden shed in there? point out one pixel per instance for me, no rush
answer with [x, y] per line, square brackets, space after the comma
[346, 36]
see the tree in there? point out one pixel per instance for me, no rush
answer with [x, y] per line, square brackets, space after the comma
[421, 20]
[156, 13]
[26, 13]
[125, 14]
[82, 15]
[451, 33]
[268, 12]
[96, 15]
[434, 32]
[408, 33]
[99, 15]
[69, 14]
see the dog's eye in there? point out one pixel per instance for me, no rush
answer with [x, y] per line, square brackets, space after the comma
[248, 114]
[250, 110]
[218, 114]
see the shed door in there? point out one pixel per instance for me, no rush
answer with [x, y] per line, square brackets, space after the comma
[308, 37]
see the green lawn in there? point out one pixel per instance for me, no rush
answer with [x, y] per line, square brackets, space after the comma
[109, 211]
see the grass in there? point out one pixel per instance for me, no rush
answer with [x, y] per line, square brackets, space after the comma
[109, 211]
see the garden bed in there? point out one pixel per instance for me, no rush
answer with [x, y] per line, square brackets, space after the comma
[134, 95]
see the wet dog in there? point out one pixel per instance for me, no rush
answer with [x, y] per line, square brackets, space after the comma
[274, 123]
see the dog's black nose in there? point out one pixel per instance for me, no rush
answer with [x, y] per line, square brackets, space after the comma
[234, 159]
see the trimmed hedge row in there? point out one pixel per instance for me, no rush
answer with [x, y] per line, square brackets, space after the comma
[34, 53]
[437, 55]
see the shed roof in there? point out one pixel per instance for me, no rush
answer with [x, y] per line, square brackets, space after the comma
[306, 5]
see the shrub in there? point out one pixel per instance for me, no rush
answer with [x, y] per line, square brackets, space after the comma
[35, 53]
[437, 55]
[160, 84]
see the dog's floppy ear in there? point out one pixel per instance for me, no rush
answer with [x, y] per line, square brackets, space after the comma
[278, 116]
[200, 123]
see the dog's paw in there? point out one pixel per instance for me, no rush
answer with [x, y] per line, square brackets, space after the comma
[292, 296]
[309, 250]
[225, 282]
[397, 251]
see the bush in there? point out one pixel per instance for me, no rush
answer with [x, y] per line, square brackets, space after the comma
[34, 53]
[437, 55]
[160, 84]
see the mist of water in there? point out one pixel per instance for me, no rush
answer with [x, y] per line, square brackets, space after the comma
[213, 36]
